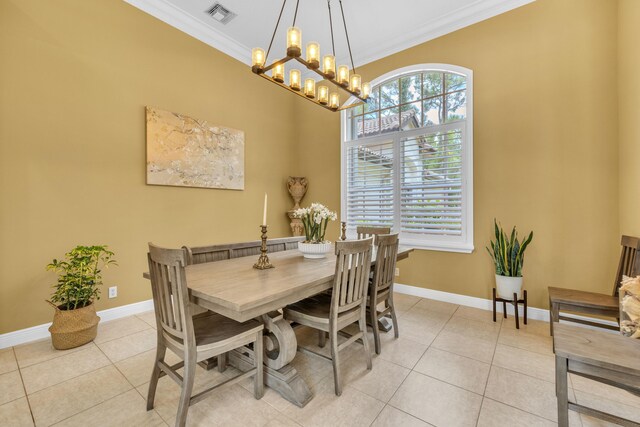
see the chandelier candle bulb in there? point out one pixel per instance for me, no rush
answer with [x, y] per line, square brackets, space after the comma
[334, 100]
[366, 89]
[278, 73]
[294, 79]
[343, 75]
[356, 83]
[257, 57]
[329, 66]
[294, 42]
[323, 95]
[310, 88]
[313, 54]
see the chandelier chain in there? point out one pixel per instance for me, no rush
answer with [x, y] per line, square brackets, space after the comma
[284, 3]
[333, 44]
[347, 34]
[295, 14]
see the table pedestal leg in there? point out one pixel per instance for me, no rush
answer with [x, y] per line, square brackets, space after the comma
[285, 380]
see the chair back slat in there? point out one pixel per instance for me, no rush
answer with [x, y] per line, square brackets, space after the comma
[213, 253]
[386, 256]
[629, 264]
[364, 232]
[170, 291]
[351, 279]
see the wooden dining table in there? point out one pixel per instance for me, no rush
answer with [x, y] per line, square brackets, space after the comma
[236, 290]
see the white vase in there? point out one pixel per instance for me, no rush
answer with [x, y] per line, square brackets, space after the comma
[507, 286]
[315, 250]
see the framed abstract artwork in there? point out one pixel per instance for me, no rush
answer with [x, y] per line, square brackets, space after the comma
[187, 152]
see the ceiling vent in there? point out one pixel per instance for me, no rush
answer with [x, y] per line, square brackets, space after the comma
[221, 13]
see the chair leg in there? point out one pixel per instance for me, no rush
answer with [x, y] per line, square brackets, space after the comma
[187, 387]
[365, 339]
[394, 318]
[373, 310]
[322, 338]
[258, 352]
[222, 362]
[161, 350]
[333, 342]
[554, 311]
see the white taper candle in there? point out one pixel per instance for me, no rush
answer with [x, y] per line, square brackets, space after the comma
[264, 214]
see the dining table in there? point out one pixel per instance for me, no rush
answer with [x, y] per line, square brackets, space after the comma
[233, 288]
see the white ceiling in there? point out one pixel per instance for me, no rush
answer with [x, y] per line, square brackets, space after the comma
[377, 28]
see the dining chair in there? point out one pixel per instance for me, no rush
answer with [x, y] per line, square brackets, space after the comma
[364, 231]
[193, 337]
[381, 285]
[346, 305]
[595, 303]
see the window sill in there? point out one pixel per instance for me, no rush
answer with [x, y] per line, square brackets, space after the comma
[462, 248]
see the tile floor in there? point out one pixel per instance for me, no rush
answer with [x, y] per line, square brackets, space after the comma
[451, 366]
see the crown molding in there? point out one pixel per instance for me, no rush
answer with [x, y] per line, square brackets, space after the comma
[437, 27]
[178, 18]
[463, 17]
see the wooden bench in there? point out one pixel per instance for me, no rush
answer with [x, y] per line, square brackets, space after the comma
[598, 355]
[212, 253]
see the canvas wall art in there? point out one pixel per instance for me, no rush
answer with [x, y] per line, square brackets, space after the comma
[187, 152]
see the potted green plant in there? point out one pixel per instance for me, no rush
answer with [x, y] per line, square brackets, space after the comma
[75, 321]
[508, 257]
[314, 221]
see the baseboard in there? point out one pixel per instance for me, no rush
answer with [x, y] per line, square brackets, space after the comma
[485, 304]
[42, 331]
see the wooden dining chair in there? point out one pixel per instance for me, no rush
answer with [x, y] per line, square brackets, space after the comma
[193, 337]
[593, 303]
[347, 304]
[363, 231]
[381, 286]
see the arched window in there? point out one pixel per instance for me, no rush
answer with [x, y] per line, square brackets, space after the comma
[407, 157]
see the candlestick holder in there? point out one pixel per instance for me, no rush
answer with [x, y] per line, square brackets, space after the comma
[263, 261]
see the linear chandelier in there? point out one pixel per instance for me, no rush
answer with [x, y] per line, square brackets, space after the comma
[350, 82]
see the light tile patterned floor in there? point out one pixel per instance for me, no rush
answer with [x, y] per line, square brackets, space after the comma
[451, 366]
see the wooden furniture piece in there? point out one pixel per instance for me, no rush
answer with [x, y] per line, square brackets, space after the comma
[365, 232]
[381, 286]
[601, 356]
[212, 253]
[347, 303]
[594, 303]
[193, 338]
[236, 290]
[515, 301]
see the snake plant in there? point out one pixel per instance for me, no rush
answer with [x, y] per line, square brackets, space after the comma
[507, 252]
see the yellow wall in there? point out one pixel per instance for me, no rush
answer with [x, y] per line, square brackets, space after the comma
[545, 155]
[628, 106]
[75, 77]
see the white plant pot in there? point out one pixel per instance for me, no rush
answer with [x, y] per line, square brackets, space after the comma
[315, 250]
[507, 286]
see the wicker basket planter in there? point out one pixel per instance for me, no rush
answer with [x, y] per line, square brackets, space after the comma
[73, 328]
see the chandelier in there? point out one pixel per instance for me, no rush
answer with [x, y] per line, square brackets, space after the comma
[342, 78]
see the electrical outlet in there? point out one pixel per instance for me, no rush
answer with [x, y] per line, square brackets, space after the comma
[113, 291]
[397, 271]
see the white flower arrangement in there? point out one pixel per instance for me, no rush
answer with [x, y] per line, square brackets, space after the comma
[315, 219]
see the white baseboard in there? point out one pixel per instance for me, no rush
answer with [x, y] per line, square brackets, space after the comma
[42, 331]
[484, 304]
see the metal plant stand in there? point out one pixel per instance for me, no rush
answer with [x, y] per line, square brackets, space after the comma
[515, 301]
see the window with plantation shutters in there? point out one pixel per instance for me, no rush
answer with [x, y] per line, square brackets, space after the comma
[407, 158]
